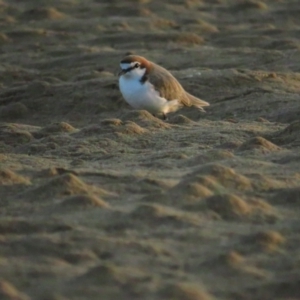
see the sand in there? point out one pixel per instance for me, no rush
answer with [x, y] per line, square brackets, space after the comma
[99, 201]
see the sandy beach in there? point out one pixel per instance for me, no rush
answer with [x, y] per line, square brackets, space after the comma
[101, 201]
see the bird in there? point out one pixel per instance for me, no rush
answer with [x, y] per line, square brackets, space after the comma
[147, 86]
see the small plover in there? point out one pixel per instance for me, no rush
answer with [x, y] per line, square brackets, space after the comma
[146, 85]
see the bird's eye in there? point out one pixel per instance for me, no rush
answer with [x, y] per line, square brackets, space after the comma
[136, 65]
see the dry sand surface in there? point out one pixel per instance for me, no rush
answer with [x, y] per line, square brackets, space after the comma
[99, 201]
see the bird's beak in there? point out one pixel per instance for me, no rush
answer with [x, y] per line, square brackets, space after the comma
[122, 72]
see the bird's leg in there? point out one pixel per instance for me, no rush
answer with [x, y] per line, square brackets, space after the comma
[164, 116]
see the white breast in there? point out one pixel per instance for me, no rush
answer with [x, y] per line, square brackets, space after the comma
[141, 95]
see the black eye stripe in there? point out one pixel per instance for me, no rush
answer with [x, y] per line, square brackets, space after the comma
[128, 69]
[137, 65]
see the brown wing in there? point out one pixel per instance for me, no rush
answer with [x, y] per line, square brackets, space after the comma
[165, 83]
[170, 89]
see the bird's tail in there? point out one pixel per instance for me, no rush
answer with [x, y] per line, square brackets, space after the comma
[194, 101]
